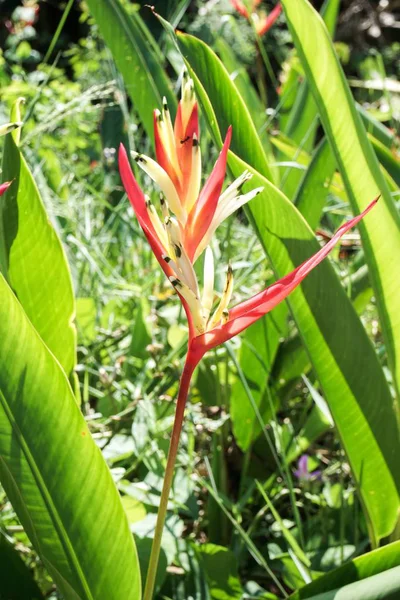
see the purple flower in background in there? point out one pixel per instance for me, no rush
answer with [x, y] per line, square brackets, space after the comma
[303, 473]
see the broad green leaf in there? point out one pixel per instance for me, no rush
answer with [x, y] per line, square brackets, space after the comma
[219, 565]
[334, 337]
[384, 586]
[292, 360]
[290, 363]
[357, 163]
[137, 57]
[33, 261]
[359, 569]
[54, 474]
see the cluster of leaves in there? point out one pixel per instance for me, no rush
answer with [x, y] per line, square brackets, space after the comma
[244, 522]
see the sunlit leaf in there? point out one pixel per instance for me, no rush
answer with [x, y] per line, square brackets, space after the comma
[137, 57]
[33, 261]
[357, 163]
[333, 335]
[53, 472]
[383, 561]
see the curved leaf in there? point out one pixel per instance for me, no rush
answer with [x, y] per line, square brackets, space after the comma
[357, 163]
[384, 586]
[53, 472]
[303, 120]
[387, 158]
[249, 94]
[33, 261]
[333, 335]
[137, 57]
[362, 568]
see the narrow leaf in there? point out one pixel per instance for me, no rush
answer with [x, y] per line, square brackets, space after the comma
[357, 163]
[137, 57]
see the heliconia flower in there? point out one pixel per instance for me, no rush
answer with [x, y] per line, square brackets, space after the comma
[180, 229]
[303, 473]
[240, 7]
[262, 21]
[265, 23]
[4, 187]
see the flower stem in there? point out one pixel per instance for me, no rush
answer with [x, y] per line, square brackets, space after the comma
[187, 373]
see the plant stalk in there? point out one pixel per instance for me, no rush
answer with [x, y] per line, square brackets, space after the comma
[184, 384]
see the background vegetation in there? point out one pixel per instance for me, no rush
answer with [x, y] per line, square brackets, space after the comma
[287, 467]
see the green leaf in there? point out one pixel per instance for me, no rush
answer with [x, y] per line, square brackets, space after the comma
[259, 346]
[249, 94]
[54, 474]
[86, 319]
[385, 586]
[314, 427]
[313, 190]
[137, 57]
[33, 261]
[383, 134]
[333, 335]
[303, 120]
[220, 568]
[141, 336]
[387, 158]
[357, 163]
[291, 540]
[361, 569]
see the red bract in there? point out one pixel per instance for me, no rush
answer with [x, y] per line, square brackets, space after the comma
[4, 187]
[190, 218]
[262, 22]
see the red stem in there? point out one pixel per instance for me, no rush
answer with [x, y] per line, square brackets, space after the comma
[192, 360]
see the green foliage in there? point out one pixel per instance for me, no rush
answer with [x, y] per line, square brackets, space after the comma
[137, 57]
[364, 568]
[36, 266]
[246, 519]
[324, 315]
[53, 472]
[357, 163]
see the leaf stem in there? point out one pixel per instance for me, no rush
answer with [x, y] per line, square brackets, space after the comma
[186, 377]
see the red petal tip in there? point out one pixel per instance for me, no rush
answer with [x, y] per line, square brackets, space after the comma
[4, 186]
